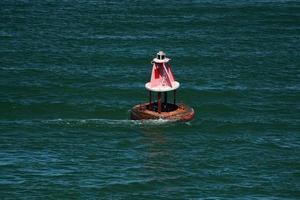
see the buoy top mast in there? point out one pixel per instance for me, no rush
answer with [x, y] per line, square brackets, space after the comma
[160, 58]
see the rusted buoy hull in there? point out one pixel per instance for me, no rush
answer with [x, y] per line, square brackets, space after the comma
[171, 112]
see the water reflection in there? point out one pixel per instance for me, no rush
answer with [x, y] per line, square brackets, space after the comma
[159, 162]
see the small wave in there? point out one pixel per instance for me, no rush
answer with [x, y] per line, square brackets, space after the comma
[116, 122]
[89, 122]
[6, 34]
[243, 88]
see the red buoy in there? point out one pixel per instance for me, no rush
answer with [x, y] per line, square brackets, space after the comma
[162, 81]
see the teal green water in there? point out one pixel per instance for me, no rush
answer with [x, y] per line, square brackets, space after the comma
[71, 70]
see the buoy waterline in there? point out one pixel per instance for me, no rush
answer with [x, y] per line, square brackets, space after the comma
[162, 81]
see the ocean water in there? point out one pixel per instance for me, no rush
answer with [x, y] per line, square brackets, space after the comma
[70, 71]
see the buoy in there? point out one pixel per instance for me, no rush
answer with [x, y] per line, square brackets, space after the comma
[162, 81]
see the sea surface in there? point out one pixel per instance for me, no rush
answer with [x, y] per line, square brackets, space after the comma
[70, 71]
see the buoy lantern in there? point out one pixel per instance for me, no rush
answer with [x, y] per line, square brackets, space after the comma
[162, 81]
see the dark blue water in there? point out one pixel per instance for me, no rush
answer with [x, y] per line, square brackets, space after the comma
[71, 70]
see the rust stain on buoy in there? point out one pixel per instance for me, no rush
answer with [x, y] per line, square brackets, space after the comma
[162, 81]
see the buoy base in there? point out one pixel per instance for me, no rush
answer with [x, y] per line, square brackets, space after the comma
[180, 112]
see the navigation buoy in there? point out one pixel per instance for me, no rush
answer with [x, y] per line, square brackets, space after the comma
[162, 81]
